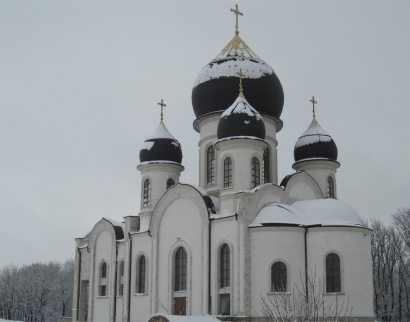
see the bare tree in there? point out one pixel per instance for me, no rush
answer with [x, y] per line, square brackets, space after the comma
[305, 303]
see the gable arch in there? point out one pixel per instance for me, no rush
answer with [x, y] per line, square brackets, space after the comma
[301, 186]
[174, 193]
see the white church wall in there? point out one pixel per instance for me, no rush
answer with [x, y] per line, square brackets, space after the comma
[352, 245]
[208, 128]
[224, 231]
[120, 298]
[270, 245]
[103, 251]
[181, 225]
[270, 138]
[140, 307]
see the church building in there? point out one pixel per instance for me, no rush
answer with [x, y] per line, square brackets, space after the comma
[242, 235]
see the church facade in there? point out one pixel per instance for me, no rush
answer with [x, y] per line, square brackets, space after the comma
[241, 235]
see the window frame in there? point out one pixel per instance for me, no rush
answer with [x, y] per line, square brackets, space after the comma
[266, 165]
[141, 275]
[278, 266]
[146, 193]
[225, 270]
[330, 185]
[228, 173]
[170, 183]
[210, 165]
[121, 278]
[180, 270]
[333, 287]
[255, 172]
[103, 279]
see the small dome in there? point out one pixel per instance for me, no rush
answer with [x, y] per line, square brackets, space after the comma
[161, 146]
[315, 143]
[241, 119]
[216, 86]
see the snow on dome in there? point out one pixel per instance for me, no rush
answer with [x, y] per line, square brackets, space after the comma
[161, 132]
[322, 212]
[241, 105]
[313, 134]
[329, 212]
[241, 119]
[279, 214]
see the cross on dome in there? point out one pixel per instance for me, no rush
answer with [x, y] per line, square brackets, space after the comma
[314, 112]
[237, 13]
[162, 106]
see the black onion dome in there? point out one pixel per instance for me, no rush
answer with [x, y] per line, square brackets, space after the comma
[239, 120]
[161, 146]
[216, 86]
[315, 143]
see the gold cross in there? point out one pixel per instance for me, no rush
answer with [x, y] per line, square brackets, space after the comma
[237, 13]
[240, 74]
[313, 102]
[162, 106]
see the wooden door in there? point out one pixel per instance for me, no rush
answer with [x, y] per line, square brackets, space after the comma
[180, 306]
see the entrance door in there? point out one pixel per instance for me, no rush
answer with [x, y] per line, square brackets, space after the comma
[180, 306]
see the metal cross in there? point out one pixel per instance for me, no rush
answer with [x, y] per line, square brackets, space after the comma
[240, 74]
[237, 13]
[313, 102]
[162, 106]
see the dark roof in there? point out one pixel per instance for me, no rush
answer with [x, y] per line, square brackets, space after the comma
[162, 150]
[241, 119]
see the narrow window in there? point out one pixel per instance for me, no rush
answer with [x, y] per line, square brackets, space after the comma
[180, 270]
[266, 169]
[103, 279]
[141, 274]
[256, 172]
[330, 187]
[121, 279]
[225, 268]
[224, 304]
[228, 173]
[170, 183]
[147, 193]
[210, 165]
[279, 277]
[333, 283]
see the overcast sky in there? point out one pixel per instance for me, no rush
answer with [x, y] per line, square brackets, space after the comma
[80, 82]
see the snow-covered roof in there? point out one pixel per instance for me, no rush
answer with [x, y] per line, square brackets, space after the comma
[313, 134]
[236, 55]
[181, 318]
[241, 105]
[161, 132]
[322, 212]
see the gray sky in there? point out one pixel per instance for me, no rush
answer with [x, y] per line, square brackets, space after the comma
[80, 82]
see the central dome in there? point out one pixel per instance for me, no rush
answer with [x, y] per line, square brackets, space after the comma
[216, 86]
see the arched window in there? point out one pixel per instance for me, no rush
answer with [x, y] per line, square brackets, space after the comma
[103, 279]
[225, 268]
[279, 277]
[121, 279]
[210, 165]
[256, 173]
[266, 169]
[330, 187]
[333, 282]
[170, 183]
[141, 278]
[228, 173]
[146, 199]
[180, 269]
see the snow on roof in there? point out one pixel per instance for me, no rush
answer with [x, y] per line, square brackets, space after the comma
[241, 105]
[161, 132]
[146, 145]
[313, 134]
[160, 162]
[324, 212]
[229, 68]
[181, 318]
[114, 223]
